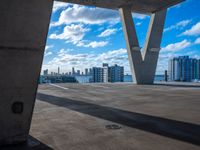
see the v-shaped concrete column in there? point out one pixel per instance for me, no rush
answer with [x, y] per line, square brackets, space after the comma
[143, 64]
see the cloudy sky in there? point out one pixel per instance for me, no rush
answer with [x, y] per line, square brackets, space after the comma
[84, 37]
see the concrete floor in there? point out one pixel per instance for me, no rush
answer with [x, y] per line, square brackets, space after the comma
[158, 117]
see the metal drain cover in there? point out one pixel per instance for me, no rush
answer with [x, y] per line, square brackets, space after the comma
[113, 126]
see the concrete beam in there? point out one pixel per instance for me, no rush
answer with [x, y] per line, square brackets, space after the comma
[143, 65]
[140, 6]
[23, 27]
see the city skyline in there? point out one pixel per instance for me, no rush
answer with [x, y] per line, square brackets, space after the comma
[85, 41]
[103, 74]
[73, 71]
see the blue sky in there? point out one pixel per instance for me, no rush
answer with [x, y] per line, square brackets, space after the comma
[84, 37]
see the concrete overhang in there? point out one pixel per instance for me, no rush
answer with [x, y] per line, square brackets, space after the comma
[140, 6]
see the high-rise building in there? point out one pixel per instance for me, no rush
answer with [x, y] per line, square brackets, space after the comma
[97, 74]
[86, 71]
[90, 72]
[73, 71]
[78, 72]
[105, 72]
[170, 69]
[45, 72]
[58, 70]
[108, 74]
[105, 65]
[198, 69]
[116, 74]
[194, 69]
[183, 68]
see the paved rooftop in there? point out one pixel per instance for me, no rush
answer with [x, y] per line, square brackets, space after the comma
[74, 116]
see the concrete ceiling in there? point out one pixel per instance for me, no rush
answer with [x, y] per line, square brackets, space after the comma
[140, 6]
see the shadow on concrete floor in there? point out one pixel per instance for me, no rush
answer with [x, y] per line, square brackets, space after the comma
[31, 144]
[182, 131]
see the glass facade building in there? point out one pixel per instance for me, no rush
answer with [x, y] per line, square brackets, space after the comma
[108, 73]
[184, 68]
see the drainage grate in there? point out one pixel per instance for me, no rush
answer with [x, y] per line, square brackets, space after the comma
[113, 126]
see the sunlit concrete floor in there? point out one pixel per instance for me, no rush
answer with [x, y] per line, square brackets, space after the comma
[158, 117]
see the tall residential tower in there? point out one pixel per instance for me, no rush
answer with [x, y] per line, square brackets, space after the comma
[184, 68]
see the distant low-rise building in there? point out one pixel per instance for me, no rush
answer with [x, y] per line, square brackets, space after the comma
[57, 79]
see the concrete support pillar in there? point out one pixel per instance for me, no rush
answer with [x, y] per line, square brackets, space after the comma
[143, 65]
[23, 31]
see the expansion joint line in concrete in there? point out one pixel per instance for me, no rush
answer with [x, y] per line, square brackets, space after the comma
[143, 64]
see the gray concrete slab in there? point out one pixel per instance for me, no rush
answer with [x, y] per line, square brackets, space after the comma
[152, 117]
[141, 6]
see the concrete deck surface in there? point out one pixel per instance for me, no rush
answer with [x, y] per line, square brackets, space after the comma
[74, 116]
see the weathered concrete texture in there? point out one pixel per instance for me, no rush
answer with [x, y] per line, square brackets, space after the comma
[141, 6]
[23, 30]
[143, 64]
[152, 117]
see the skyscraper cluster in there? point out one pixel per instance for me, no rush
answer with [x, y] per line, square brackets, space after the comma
[183, 68]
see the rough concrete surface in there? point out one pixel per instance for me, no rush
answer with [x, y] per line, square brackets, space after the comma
[156, 117]
[23, 31]
[141, 6]
[143, 64]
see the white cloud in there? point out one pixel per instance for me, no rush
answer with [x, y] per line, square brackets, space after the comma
[195, 30]
[48, 53]
[107, 32]
[87, 15]
[178, 25]
[72, 33]
[90, 15]
[66, 61]
[139, 16]
[95, 44]
[138, 24]
[47, 47]
[176, 46]
[197, 41]
[59, 5]
[63, 52]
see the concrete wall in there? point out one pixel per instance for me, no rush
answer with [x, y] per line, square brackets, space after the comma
[23, 31]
